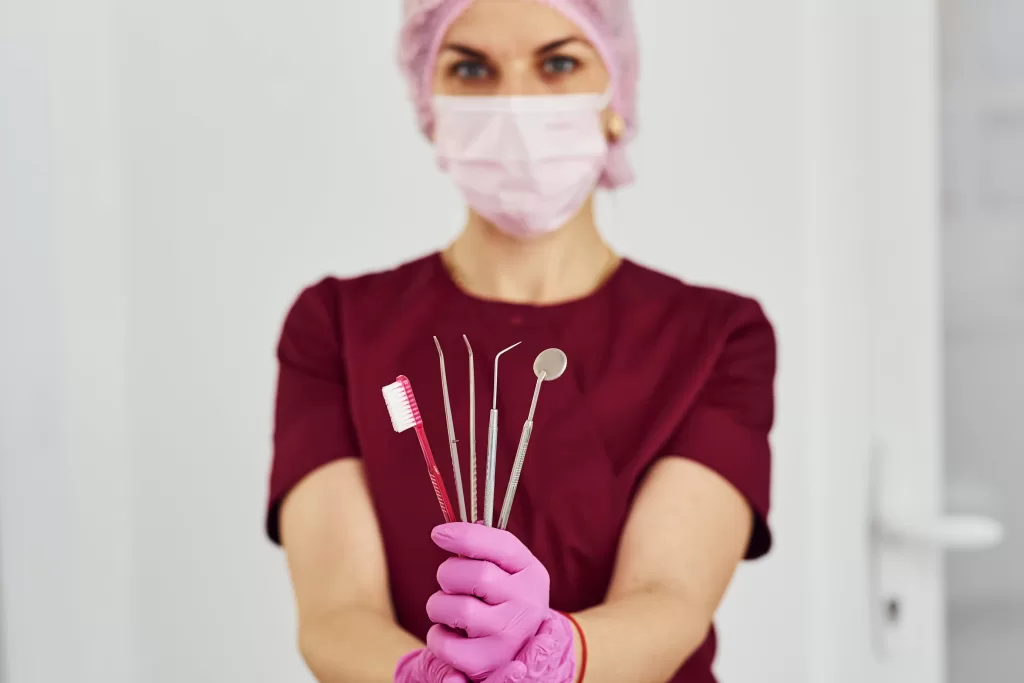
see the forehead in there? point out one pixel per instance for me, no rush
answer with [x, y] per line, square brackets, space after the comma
[510, 26]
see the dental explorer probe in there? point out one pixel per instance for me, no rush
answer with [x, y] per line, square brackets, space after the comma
[492, 446]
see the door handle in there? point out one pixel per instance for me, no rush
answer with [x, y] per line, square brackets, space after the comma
[951, 533]
[902, 544]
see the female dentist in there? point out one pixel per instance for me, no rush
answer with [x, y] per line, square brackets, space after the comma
[648, 476]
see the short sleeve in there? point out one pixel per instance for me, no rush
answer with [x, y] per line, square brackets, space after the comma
[727, 429]
[312, 423]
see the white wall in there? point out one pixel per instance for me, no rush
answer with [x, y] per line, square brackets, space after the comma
[65, 470]
[205, 159]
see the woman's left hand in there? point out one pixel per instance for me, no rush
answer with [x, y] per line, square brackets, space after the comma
[495, 590]
[421, 666]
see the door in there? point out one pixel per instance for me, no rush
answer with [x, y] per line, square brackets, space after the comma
[880, 535]
[949, 350]
[910, 534]
[983, 275]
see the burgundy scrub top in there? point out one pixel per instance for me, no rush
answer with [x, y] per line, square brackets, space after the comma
[656, 368]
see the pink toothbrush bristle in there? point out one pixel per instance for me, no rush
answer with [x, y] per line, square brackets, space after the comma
[413, 408]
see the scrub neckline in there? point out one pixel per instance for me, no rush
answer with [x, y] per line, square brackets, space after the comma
[505, 307]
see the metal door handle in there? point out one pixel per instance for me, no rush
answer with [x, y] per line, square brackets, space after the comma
[951, 533]
[900, 540]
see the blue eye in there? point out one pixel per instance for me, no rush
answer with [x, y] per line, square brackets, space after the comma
[468, 70]
[560, 65]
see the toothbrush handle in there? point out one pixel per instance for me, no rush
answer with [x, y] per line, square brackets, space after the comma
[435, 476]
[492, 452]
[517, 469]
[442, 495]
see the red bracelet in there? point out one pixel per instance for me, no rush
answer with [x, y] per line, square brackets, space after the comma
[583, 645]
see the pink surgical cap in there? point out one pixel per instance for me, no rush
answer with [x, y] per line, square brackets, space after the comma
[607, 24]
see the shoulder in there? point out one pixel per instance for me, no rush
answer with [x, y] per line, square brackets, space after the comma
[330, 295]
[719, 313]
[317, 315]
[389, 283]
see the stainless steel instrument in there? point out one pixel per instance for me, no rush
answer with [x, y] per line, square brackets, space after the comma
[472, 433]
[549, 365]
[492, 445]
[451, 436]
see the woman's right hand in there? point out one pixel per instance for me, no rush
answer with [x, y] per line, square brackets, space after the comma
[421, 666]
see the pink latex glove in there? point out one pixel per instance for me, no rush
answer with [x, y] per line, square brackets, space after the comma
[497, 592]
[421, 666]
[550, 656]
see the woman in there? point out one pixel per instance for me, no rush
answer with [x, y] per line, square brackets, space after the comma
[648, 475]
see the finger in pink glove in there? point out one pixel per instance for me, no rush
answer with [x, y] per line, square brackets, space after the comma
[548, 657]
[496, 591]
[421, 666]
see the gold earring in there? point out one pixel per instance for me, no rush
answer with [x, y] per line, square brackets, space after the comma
[616, 126]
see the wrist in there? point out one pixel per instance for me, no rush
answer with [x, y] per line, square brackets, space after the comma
[404, 665]
[550, 656]
[579, 648]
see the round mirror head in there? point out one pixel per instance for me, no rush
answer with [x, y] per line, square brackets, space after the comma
[552, 363]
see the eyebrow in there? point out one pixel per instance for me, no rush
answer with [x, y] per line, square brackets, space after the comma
[544, 49]
[562, 42]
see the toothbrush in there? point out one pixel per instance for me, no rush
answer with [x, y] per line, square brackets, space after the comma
[492, 446]
[405, 414]
[452, 441]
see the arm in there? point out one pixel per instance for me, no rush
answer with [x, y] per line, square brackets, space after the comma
[687, 532]
[325, 519]
[336, 558]
[693, 519]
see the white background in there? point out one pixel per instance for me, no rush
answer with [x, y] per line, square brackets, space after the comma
[171, 174]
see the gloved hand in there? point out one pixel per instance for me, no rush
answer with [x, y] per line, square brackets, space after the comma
[497, 592]
[550, 656]
[421, 666]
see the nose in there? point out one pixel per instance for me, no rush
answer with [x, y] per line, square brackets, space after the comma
[519, 77]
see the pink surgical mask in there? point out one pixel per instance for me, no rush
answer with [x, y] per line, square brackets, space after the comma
[527, 163]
